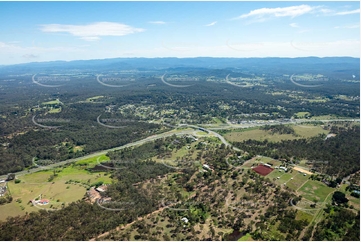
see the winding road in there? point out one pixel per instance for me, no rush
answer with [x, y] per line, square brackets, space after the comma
[177, 132]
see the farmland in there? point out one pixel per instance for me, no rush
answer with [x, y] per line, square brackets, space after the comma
[302, 131]
[69, 185]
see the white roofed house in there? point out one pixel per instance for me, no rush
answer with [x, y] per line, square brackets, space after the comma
[206, 166]
[283, 168]
[185, 220]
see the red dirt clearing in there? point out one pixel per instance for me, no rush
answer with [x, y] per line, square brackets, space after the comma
[263, 170]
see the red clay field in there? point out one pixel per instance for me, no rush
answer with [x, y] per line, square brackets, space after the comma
[263, 170]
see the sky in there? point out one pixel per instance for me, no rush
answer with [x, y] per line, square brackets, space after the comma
[49, 31]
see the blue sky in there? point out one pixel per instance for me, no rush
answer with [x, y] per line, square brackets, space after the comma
[47, 31]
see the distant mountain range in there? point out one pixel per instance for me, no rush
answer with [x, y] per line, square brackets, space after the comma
[334, 64]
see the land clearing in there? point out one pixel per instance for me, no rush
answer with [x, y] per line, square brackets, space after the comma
[302, 170]
[69, 185]
[302, 131]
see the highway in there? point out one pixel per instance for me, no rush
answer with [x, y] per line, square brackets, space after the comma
[178, 132]
[98, 153]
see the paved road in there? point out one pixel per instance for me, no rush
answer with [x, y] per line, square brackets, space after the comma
[179, 132]
[224, 141]
[98, 153]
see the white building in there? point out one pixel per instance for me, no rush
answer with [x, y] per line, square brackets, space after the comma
[206, 166]
[283, 168]
[185, 220]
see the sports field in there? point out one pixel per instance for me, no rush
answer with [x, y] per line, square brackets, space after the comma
[262, 170]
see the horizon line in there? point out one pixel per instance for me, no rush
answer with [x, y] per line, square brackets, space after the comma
[174, 57]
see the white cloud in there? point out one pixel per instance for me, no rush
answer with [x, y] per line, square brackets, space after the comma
[157, 22]
[90, 38]
[211, 24]
[348, 12]
[294, 25]
[292, 11]
[355, 26]
[325, 10]
[92, 31]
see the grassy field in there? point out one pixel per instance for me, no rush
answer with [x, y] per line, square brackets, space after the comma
[297, 181]
[201, 133]
[303, 215]
[323, 117]
[303, 131]
[55, 110]
[51, 102]
[256, 134]
[302, 114]
[246, 237]
[57, 191]
[315, 190]
[91, 99]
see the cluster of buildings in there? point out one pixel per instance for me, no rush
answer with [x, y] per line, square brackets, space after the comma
[94, 193]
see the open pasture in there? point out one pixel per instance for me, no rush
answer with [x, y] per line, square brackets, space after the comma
[297, 181]
[59, 191]
[302, 131]
[315, 190]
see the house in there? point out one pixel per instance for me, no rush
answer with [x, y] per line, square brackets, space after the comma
[43, 202]
[185, 220]
[101, 188]
[283, 168]
[206, 166]
[330, 136]
[93, 194]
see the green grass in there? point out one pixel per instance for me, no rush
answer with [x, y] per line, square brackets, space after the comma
[34, 184]
[51, 102]
[303, 131]
[275, 173]
[246, 237]
[285, 177]
[55, 110]
[28, 191]
[302, 114]
[307, 131]
[92, 161]
[257, 134]
[297, 181]
[201, 133]
[217, 120]
[93, 98]
[354, 202]
[303, 215]
[265, 159]
[323, 117]
[315, 190]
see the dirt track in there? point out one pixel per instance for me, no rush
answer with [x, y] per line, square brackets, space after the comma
[302, 170]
